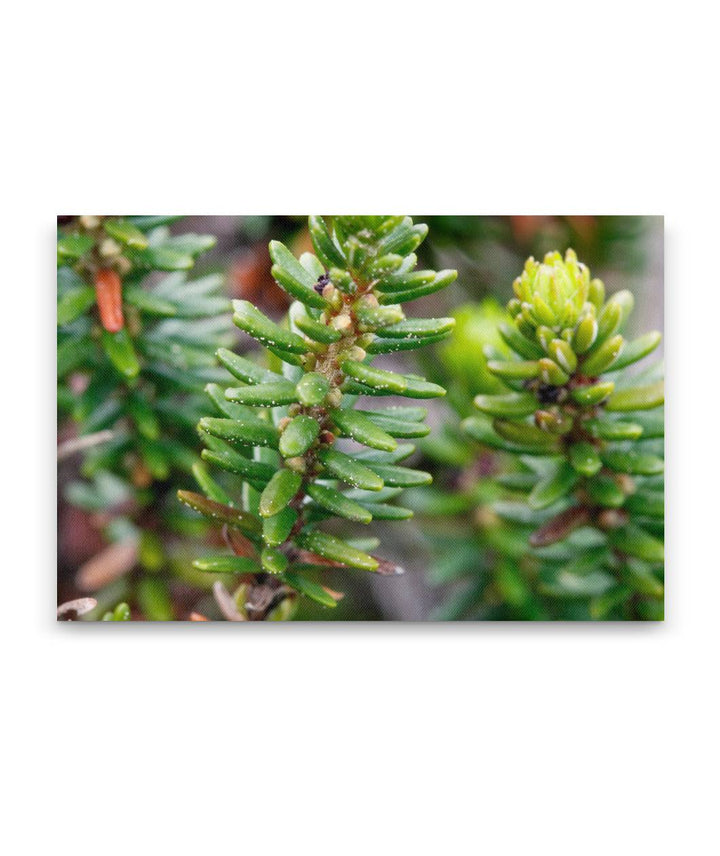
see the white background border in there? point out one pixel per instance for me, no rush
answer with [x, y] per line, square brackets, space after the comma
[360, 739]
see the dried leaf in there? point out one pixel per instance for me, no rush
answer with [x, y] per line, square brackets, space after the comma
[73, 609]
[108, 565]
[226, 603]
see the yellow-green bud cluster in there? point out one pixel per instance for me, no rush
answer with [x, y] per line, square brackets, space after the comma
[553, 293]
[564, 335]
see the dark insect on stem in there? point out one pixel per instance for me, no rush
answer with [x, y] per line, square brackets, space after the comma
[323, 280]
[548, 394]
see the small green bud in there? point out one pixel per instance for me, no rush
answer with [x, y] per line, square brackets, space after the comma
[514, 307]
[604, 357]
[585, 334]
[297, 464]
[273, 561]
[553, 421]
[542, 311]
[596, 294]
[545, 335]
[342, 323]
[342, 279]
[608, 320]
[551, 373]
[334, 398]
[563, 355]
[555, 290]
[625, 300]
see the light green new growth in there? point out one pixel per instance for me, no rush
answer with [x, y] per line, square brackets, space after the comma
[580, 424]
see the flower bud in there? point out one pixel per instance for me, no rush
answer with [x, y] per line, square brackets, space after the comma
[298, 464]
[109, 248]
[334, 398]
[551, 373]
[341, 322]
[555, 290]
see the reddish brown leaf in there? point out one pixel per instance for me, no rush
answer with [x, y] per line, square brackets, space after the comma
[560, 526]
[238, 543]
[108, 291]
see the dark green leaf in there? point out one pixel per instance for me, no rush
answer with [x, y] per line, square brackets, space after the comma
[298, 436]
[350, 470]
[119, 348]
[554, 487]
[353, 423]
[253, 322]
[74, 303]
[338, 504]
[126, 233]
[336, 550]
[281, 488]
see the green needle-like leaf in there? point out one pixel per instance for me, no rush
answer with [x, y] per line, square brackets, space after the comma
[393, 476]
[604, 357]
[126, 233]
[73, 246]
[590, 395]
[245, 370]
[312, 389]
[636, 542]
[273, 561]
[375, 378]
[513, 404]
[74, 303]
[276, 529]
[514, 369]
[584, 458]
[119, 348]
[609, 430]
[336, 550]
[278, 492]
[353, 423]
[349, 470]
[298, 436]
[245, 432]
[264, 394]
[231, 461]
[633, 463]
[148, 303]
[636, 350]
[417, 328]
[310, 589]
[638, 398]
[292, 276]
[316, 331]
[327, 250]
[253, 322]
[402, 428]
[604, 491]
[337, 503]
[553, 488]
[227, 565]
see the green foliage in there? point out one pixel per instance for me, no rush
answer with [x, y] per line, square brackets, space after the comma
[571, 525]
[279, 429]
[587, 462]
[136, 346]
